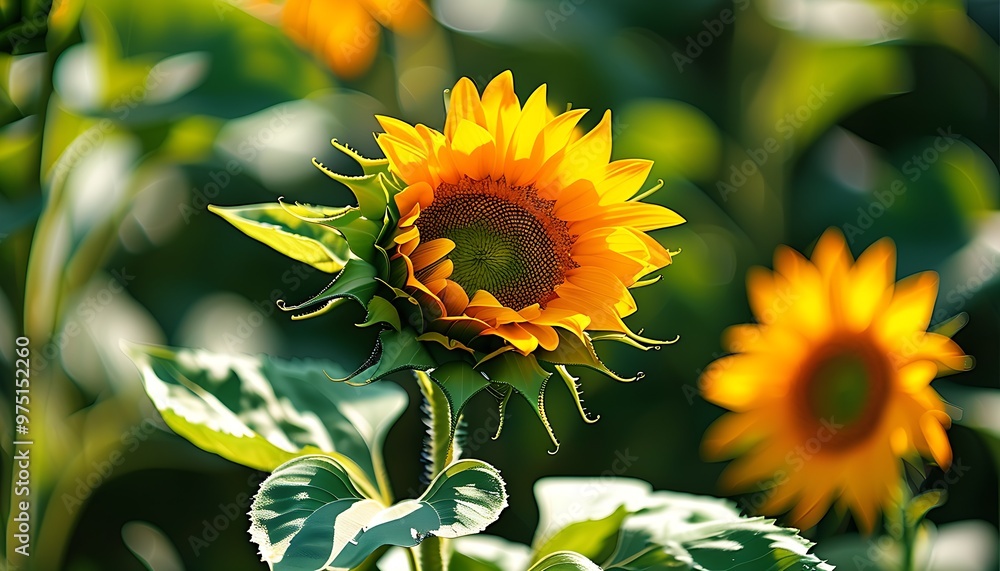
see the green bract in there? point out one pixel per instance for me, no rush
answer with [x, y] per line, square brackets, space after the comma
[356, 243]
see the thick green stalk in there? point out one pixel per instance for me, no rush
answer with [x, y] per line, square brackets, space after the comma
[432, 553]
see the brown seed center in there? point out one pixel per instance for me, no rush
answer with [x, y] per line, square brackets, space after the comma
[508, 240]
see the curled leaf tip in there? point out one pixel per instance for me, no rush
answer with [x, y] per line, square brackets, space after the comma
[576, 389]
[315, 312]
[648, 193]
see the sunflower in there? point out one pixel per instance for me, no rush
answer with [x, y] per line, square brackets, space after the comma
[514, 224]
[491, 255]
[832, 387]
[344, 33]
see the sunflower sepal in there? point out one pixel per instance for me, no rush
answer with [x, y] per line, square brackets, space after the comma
[579, 351]
[373, 190]
[446, 342]
[526, 377]
[361, 233]
[394, 351]
[381, 311]
[355, 281]
[460, 382]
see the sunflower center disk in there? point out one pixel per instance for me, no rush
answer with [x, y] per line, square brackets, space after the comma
[507, 240]
[845, 388]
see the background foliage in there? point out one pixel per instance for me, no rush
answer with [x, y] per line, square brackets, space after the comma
[879, 117]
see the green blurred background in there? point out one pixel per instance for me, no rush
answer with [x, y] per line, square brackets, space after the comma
[122, 120]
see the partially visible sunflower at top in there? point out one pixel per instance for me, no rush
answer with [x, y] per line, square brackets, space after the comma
[345, 34]
[832, 387]
[493, 253]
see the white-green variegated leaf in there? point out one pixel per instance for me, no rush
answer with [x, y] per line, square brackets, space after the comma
[262, 411]
[622, 525]
[308, 515]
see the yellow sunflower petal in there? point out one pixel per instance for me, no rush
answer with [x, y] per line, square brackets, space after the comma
[869, 284]
[530, 123]
[465, 106]
[408, 161]
[639, 215]
[916, 376]
[523, 341]
[622, 179]
[811, 507]
[937, 438]
[547, 337]
[502, 110]
[910, 310]
[831, 255]
[473, 150]
[454, 298]
[402, 131]
[438, 273]
[401, 16]
[731, 434]
[420, 194]
[588, 157]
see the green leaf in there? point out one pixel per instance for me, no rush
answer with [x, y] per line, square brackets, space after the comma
[527, 377]
[593, 538]
[262, 412]
[565, 561]
[319, 246]
[394, 351]
[460, 382]
[381, 310]
[356, 281]
[309, 516]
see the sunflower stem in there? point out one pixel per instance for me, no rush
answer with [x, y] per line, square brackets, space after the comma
[441, 450]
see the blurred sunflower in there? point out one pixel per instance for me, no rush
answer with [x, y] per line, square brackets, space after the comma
[343, 33]
[832, 386]
[513, 224]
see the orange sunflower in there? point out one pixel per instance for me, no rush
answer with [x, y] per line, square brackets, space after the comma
[344, 33]
[832, 386]
[513, 224]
